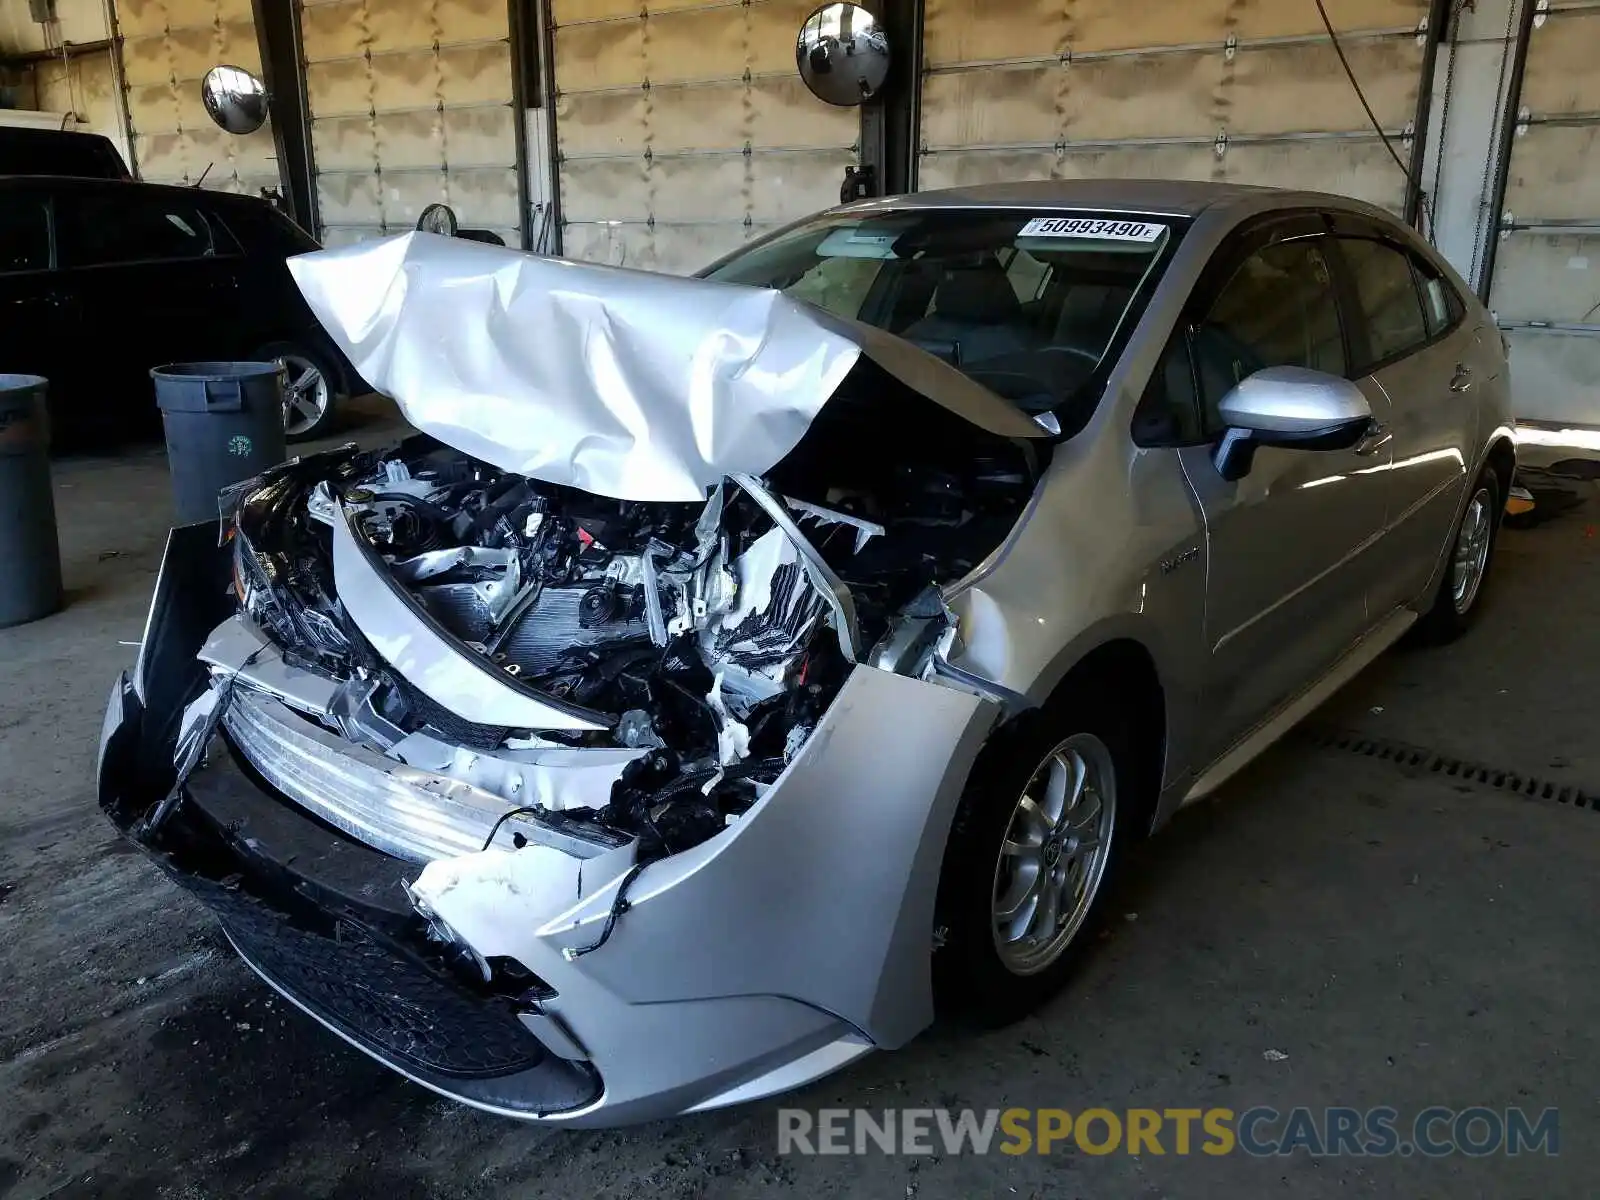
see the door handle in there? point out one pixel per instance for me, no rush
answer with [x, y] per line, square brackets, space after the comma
[1374, 439]
[1462, 379]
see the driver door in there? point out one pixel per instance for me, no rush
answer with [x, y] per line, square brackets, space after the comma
[1290, 546]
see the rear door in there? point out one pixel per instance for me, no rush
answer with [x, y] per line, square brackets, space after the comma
[36, 311]
[1411, 341]
[158, 280]
[1288, 546]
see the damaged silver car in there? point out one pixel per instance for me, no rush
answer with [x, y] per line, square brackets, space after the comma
[732, 672]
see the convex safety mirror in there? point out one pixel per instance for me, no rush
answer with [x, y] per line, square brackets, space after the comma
[235, 99]
[842, 54]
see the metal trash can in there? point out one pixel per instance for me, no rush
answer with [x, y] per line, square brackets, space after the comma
[224, 423]
[30, 580]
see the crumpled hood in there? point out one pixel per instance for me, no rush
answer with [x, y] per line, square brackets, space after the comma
[622, 383]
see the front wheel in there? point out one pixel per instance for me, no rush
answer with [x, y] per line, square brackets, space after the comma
[310, 391]
[1035, 843]
[1466, 572]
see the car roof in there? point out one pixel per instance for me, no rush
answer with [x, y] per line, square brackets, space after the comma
[81, 183]
[1166, 197]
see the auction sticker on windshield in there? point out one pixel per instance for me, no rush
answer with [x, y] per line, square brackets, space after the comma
[1092, 227]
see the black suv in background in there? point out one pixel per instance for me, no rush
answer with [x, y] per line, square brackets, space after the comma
[102, 279]
[25, 151]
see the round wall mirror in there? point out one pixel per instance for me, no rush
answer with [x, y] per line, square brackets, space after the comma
[842, 54]
[235, 98]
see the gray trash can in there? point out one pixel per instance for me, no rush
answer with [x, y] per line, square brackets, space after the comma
[30, 578]
[224, 423]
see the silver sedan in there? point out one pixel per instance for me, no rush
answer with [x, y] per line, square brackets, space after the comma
[736, 671]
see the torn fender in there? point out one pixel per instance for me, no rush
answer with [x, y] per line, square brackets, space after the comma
[622, 383]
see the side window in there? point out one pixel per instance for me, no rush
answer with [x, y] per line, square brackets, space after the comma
[1391, 308]
[1169, 412]
[102, 228]
[1442, 307]
[1277, 310]
[24, 236]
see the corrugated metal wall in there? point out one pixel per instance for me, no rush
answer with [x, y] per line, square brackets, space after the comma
[1546, 287]
[167, 47]
[411, 103]
[1032, 89]
[683, 129]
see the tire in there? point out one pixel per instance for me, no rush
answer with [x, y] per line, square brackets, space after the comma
[1460, 596]
[975, 979]
[312, 402]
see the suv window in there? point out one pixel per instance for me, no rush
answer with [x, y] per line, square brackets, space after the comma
[1277, 310]
[24, 235]
[103, 228]
[1391, 307]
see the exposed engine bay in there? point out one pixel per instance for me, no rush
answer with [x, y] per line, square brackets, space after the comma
[695, 646]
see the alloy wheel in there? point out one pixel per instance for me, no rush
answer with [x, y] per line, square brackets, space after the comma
[1054, 854]
[1470, 557]
[306, 394]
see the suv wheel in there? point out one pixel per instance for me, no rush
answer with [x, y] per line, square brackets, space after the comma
[311, 390]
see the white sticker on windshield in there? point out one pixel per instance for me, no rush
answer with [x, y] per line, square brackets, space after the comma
[1094, 228]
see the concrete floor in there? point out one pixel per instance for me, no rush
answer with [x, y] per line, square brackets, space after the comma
[1405, 939]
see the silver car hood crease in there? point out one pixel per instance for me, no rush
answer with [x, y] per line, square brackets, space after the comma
[622, 383]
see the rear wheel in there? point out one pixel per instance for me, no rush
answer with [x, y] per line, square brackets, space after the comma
[1035, 843]
[310, 391]
[1466, 573]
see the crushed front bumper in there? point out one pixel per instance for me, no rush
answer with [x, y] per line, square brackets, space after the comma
[783, 948]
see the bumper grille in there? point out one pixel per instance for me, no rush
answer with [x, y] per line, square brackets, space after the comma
[395, 1007]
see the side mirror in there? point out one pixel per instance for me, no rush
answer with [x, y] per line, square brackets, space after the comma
[1291, 407]
[235, 99]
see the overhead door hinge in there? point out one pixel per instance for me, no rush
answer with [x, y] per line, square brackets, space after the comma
[1541, 11]
[1220, 146]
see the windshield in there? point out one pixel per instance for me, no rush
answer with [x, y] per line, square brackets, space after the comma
[1028, 305]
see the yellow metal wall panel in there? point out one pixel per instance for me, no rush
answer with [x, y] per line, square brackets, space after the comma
[1548, 277]
[406, 141]
[696, 44]
[335, 29]
[1292, 18]
[687, 128]
[605, 189]
[410, 105]
[1358, 167]
[1302, 88]
[399, 25]
[567, 12]
[137, 18]
[1553, 376]
[783, 112]
[967, 168]
[605, 55]
[1563, 71]
[145, 61]
[603, 122]
[1555, 173]
[1079, 74]
[985, 30]
[167, 47]
[477, 136]
[475, 74]
[337, 88]
[344, 143]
